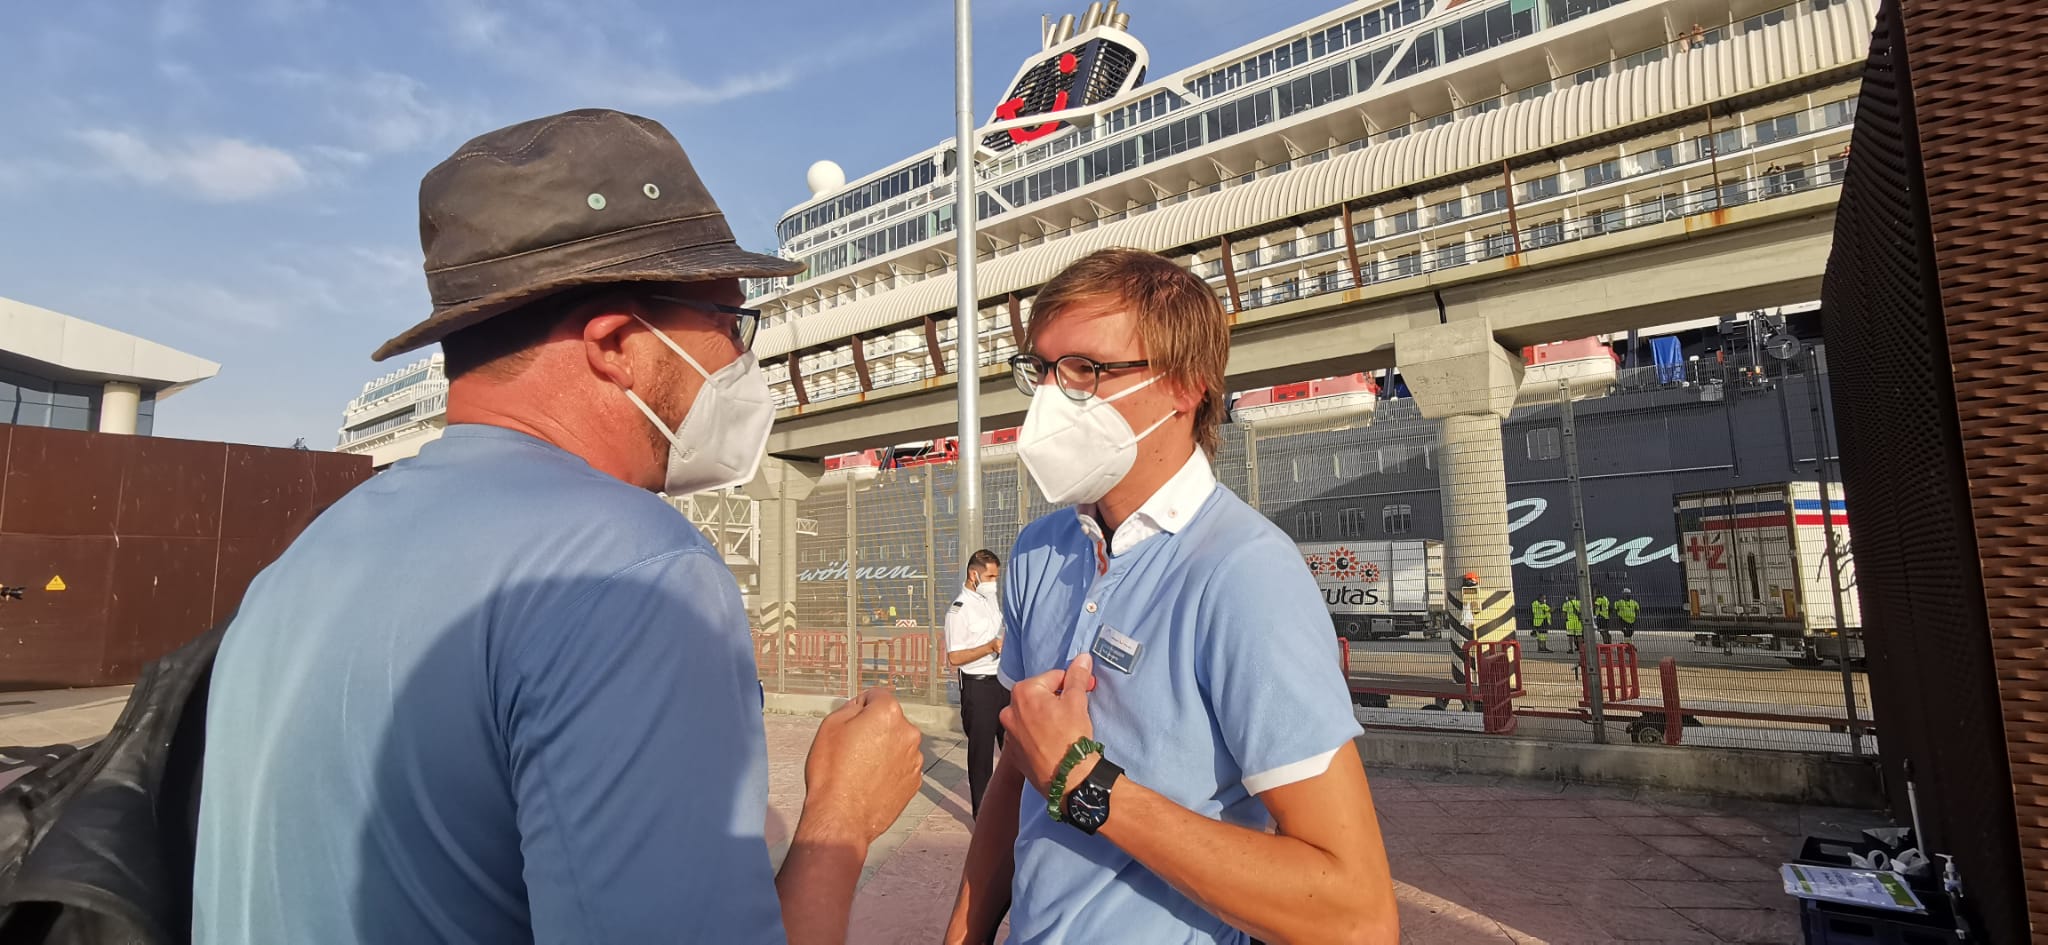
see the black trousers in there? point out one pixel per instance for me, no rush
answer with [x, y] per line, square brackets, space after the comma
[982, 700]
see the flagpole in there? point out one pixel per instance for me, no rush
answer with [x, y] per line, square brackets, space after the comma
[967, 313]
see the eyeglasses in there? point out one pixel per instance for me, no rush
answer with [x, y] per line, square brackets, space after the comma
[746, 321]
[1075, 375]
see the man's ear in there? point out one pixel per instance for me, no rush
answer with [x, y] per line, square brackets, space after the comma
[1186, 396]
[605, 330]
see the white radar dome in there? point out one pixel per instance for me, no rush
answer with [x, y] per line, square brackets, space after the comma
[825, 176]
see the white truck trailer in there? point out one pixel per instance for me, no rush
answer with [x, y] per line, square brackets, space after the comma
[1380, 589]
[1757, 563]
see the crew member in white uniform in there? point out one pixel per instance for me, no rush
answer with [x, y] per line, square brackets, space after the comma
[974, 639]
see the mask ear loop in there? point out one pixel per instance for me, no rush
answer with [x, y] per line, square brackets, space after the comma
[1148, 383]
[653, 417]
[678, 349]
[1162, 422]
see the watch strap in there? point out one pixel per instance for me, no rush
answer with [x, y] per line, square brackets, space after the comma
[1056, 791]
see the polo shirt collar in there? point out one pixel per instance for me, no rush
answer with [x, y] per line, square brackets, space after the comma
[1168, 510]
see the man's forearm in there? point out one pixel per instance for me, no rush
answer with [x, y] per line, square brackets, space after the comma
[1277, 888]
[963, 657]
[816, 884]
[985, 880]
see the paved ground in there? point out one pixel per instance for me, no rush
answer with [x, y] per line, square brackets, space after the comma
[1476, 860]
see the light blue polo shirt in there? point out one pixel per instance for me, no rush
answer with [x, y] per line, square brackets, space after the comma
[1235, 691]
[492, 695]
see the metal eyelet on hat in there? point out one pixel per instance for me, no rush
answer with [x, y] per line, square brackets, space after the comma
[596, 201]
[652, 192]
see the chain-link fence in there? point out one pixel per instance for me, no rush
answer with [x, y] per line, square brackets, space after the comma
[1680, 522]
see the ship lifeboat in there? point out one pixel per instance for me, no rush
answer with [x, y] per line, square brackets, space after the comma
[851, 467]
[999, 445]
[1334, 403]
[1587, 364]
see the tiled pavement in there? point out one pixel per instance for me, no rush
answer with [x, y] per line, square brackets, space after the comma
[1476, 860]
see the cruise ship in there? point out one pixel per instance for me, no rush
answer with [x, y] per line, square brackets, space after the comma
[1380, 142]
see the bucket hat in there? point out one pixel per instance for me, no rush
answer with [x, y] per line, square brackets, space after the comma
[581, 198]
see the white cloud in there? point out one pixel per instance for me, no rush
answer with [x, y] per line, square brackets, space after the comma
[577, 55]
[376, 113]
[284, 10]
[176, 18]
[210, 168]
[271, 292]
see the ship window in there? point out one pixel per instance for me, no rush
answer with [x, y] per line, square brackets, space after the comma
[1397, 519]
[1308, 525]
[1544, 234]
[1544, 444]
[1351, 523]
[1786, 126]
[1352, 463]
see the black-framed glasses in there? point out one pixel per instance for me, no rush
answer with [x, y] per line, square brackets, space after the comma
[1075, 375]
[746, 321]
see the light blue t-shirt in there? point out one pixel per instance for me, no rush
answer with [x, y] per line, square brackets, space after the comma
[1235, 690]
[490, 696]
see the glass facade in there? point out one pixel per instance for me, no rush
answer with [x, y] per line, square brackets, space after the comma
[35, 401]
[867, 195]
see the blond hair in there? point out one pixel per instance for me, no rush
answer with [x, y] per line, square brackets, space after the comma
[1180, 323]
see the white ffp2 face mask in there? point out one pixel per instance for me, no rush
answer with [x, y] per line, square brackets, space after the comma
[725, 432]
[1077, 451]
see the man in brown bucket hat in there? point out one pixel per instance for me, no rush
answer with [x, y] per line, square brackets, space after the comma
[501, 692]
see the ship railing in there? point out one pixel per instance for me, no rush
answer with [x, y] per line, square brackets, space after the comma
[1743, 136]
[1568, 219]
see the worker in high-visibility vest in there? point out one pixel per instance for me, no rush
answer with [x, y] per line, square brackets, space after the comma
[1539, 622]
[1628, 608]
[1574, 622]
[1603, 614]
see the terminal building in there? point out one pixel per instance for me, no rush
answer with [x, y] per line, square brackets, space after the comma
[70, 374]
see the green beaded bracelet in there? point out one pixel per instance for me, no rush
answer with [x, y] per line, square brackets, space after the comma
[1056, 793]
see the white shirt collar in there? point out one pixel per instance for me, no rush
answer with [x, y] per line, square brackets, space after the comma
[1168, 510]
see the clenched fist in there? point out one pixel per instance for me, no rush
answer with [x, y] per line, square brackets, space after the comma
[1047, 714]
[864, 766]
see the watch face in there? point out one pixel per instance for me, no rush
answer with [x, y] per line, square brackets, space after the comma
[1088, 807]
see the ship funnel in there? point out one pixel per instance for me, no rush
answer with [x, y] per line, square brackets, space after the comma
[1121, 21]
[1066, 30]
[1044, 30]
[1109, 14]
[1093, 18]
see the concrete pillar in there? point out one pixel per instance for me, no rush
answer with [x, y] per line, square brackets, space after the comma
[1460, 376]
[120, 403]
[780, 486]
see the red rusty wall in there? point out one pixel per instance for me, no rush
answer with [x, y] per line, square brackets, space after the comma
[155, 539]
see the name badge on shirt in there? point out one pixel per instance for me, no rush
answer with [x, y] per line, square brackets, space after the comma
[1117, 651]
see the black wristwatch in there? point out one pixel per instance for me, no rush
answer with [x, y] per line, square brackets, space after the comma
[1088, 805]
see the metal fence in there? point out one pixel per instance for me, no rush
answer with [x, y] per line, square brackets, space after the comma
[1708, 500]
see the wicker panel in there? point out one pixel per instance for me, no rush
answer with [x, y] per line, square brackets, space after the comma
[1981, 91]
[1904, 453]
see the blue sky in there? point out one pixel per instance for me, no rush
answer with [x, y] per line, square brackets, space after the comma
[238, 178]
